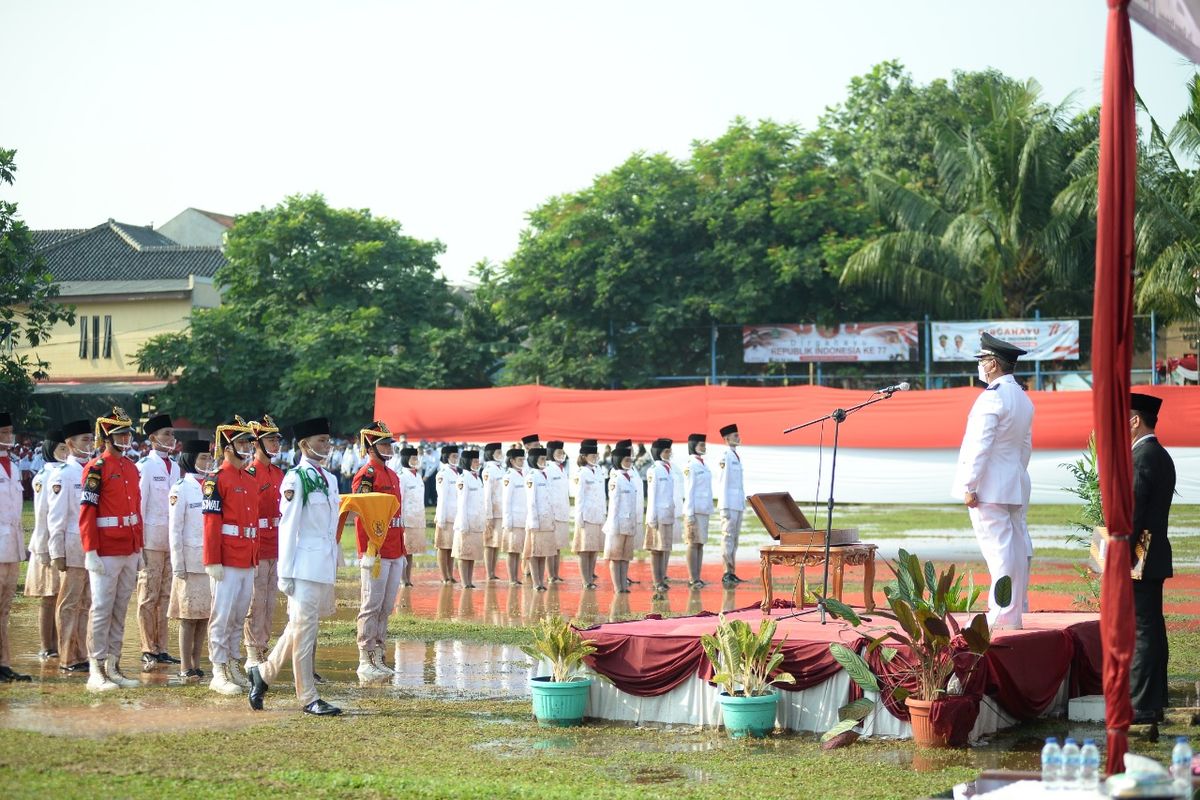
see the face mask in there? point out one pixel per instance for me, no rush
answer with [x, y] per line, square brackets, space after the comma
[163, 447]
[982, 373]
[321, 456]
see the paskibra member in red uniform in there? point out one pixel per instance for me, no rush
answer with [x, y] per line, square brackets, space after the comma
[230, 550]
[267, 477]
[110, 529]
[378, 591]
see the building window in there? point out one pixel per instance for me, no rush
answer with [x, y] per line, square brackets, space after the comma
[108, 336]
[83, 337]
[95, 337]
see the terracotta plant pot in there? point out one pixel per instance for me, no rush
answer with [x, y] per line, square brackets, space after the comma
[925, 733]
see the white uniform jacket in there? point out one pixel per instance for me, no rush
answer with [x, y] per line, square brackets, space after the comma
[308, 546]
[624, 492]
[158, 476]
[559, 476]
[412, 499]
[443, 513]
[539, 510]
[185, 524]
[732, 493]
[660, 497]
[512, 507]
[697, 487]
[12, 499]
[589, 497]
[994, 459]
[39, 540]
[469, 514]
[62, 512]
[492, 475]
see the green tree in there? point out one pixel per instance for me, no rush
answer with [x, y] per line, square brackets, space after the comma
[319, 305]
[28, 309]
[988, 239]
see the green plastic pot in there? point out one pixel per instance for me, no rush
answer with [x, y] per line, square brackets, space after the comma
[749, 716]
[559, 705]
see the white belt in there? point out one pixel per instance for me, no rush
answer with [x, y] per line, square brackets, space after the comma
[116, 522]
[234, 530]
[273, 522]
[396, 523]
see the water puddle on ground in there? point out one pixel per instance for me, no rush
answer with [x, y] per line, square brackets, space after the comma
[101, 720]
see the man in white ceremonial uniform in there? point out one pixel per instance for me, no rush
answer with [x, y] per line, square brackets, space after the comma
[158, 474]
[74, 602]
[660, 512]
[308, 559]
[697, 505]
[992, 476]
[12, 541]
[733, 502]
[41, 578]
[412, 509]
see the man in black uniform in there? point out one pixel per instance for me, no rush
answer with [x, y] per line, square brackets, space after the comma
[1153, 486]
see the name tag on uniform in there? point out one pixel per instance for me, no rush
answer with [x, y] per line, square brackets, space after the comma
[160, 478]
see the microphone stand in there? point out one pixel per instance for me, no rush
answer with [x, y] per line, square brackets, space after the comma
[838, 416]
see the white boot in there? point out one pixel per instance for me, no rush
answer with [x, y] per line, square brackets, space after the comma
[237, 676]
[113, 669]
[97, 678]
[222, 683]
[381, 663]
[367, 671]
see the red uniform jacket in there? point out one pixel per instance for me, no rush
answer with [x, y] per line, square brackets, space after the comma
[267, 477]
[231, 518]
[110, 507]
[377, 477]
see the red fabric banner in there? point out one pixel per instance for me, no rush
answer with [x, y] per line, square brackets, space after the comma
[909, 420]
[1112, 354]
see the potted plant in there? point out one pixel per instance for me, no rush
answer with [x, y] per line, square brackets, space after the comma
[560, 698]
[1088, 530]
[745, 665]
[922, 602]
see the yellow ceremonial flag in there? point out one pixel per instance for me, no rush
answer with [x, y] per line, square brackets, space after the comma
[376, 510]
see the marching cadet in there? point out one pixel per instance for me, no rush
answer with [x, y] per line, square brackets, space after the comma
[558, 474]
[41, 578]
[159, 474]
[540, 538]
[443, 515]
[532, 440]
[412, 509]
[230, 550]
[378, 592]
[697, 505]
[513, 512]
[733, 502]
[110, 528]
[590, 511]
[622, 520]
[492, 475]
[308, 512]
[191, 596]
[469, 518]
[74, 602]
[267, 477]
[12, 541]
[660, 512]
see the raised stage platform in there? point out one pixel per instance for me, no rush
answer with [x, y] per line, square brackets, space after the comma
[659, 673]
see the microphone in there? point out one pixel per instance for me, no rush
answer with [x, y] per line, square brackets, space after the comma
[899, 387]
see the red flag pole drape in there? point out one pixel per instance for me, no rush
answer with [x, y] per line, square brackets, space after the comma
[1112, 354]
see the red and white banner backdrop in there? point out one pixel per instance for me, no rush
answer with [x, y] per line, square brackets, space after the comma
[1045, 339]
[852, 341]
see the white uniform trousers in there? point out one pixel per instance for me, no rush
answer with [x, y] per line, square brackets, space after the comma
[230, 603]
[110, 601]
[298, 642]
[731, 529]
[378, 598]
[1004, 541]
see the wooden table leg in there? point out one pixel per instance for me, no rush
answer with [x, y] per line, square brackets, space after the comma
[766, 582]
[799, 593]
[869, 581]
[839, 568]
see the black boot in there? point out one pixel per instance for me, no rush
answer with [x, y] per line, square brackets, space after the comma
[166, 658]
[319, 708]
[258, 688]
[8, 676]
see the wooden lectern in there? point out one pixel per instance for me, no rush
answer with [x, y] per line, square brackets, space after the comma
[787, 524]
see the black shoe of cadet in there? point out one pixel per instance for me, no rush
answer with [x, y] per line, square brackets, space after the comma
[258, 688]
[319, 708]
[9, 676]
[167, 658]
[149, 661]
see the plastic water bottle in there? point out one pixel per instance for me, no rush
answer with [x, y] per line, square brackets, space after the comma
[1070, 764]
[1089, 766]
[1181, 765]
[1051, 763]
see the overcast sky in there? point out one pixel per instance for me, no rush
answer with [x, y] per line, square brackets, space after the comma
[457, 118]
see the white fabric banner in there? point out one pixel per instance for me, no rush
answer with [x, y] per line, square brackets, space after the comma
[1044, 339]
[855, 341]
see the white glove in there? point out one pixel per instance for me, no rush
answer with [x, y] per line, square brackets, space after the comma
[91, 560]
[287, 586]
[366, 562]
[215, 571]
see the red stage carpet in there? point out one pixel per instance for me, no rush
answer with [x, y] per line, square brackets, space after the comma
[658, 670]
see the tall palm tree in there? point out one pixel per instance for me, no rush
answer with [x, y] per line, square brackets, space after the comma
[990, 241]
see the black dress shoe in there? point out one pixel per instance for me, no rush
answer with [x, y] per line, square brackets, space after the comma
[258, 688]
[78, 666]
[149, 661]
[167, 658]
[1144, 718]
[8, 676]
[319, 708]
[46, 655]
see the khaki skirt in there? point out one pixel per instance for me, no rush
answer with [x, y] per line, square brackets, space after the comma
[191, 597]
[695, 532]
[41, 579]
[443, 537]
[514, 540]
[415, 540]
[562, 534]
[589, 538]
[468, 545]
[618, 547]
[660, 537]
[540, 544]
[493, 533]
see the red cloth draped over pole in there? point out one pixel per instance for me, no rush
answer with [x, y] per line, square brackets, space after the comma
[1112, 354]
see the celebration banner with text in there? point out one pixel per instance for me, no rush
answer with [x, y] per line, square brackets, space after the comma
[1045, 339]
[855, 341]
